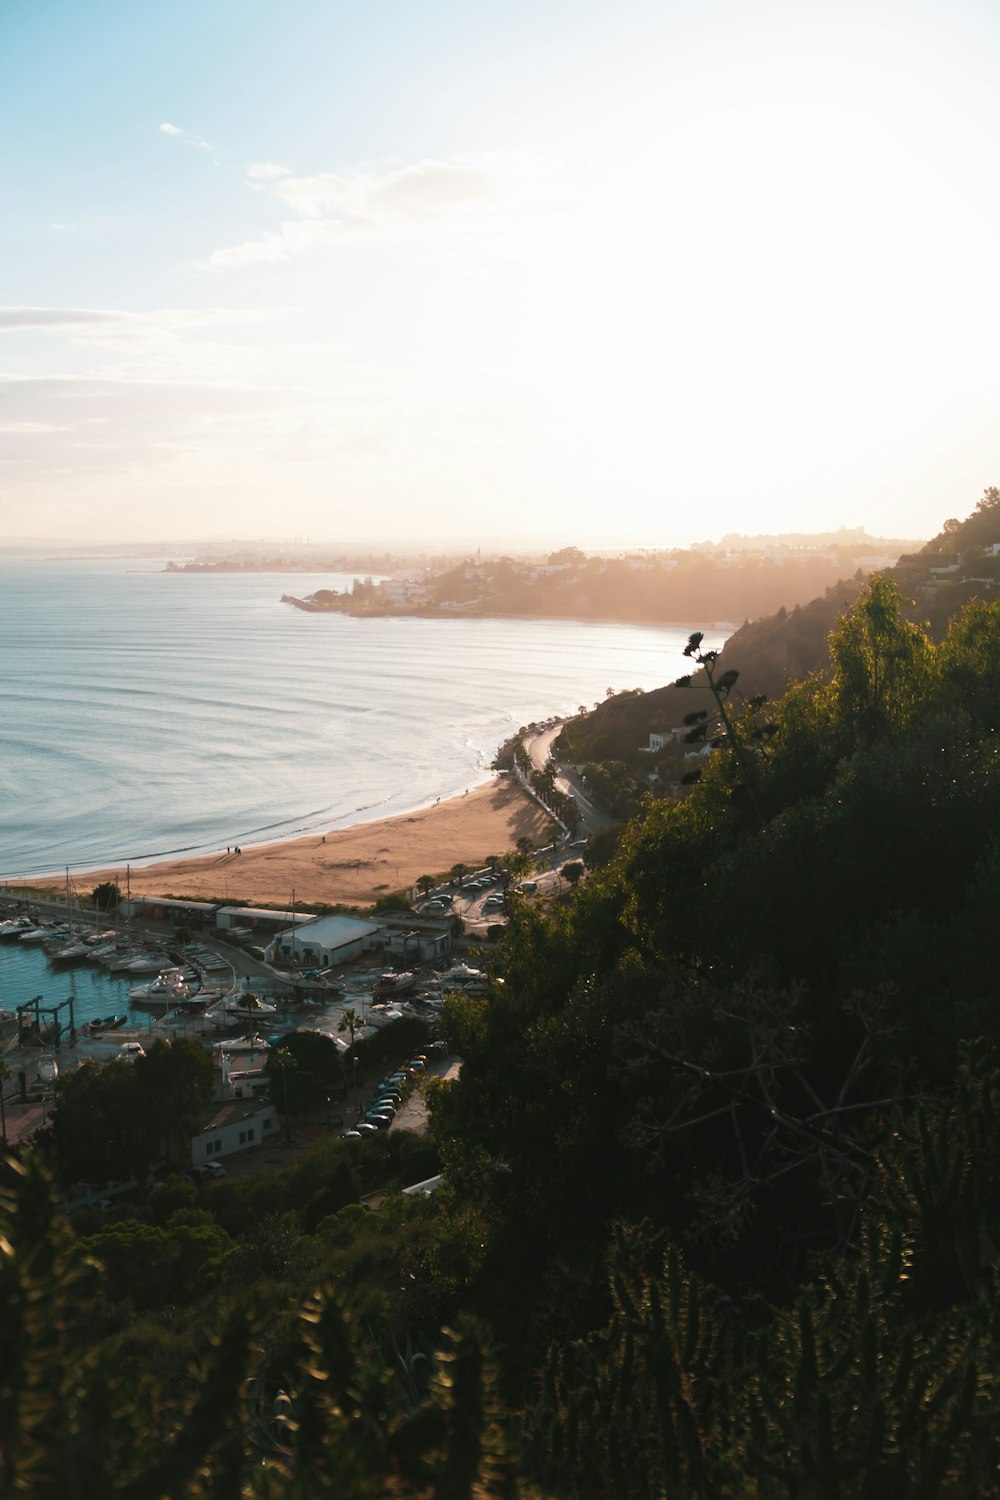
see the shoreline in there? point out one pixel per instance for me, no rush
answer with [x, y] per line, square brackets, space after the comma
[43, 879]
[353, 866]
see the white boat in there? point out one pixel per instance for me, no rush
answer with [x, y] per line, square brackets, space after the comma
[121, 963]
[168, 988]
[102, 953]
[145, 963]
[75, 949]
[35, 934]
[382, 1015]
[56, 940]
[243, 1044]
[249, 1005]
[457, 977]
[48, 1069]
[15, 926]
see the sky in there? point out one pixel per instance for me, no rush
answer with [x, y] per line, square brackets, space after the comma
[384, 271]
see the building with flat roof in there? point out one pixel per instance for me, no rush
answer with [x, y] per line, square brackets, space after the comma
[258, 919]
[162, 909]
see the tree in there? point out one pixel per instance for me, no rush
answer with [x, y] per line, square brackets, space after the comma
[458, 873]
[282, 1061]
[883, 666]
[351, 1023]
[318, 1070]
[176, 1081]
[425, 884]
[116, 1121]
[106, 896]
[573, 871]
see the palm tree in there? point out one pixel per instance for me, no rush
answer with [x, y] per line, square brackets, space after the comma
[425, 884]
[458, 873]
[285, 1060]
[525, 846]
[349, 1021]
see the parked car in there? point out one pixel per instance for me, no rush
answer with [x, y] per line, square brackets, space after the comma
[215, 1169]
[381, 1122]
[351, 1135]
[417, 1065]
[131, 1050]
[366, 1128]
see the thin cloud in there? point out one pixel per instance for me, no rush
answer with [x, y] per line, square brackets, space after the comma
[197, 142]
[266, 169]
[420, 197]
[56, 317]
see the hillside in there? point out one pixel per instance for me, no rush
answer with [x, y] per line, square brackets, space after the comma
[718, 1211]
[777, 649]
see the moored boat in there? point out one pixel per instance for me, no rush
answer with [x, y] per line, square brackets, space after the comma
[168, 988]
[392, 983]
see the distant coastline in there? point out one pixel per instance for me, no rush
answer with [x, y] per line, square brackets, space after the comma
[738, 579]
[443, 612]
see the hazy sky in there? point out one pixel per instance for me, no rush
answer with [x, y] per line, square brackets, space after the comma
[617, 272]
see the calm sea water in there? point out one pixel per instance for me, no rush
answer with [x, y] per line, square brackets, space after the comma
[144, 713]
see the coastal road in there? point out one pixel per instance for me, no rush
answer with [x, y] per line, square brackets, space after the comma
[539, 748]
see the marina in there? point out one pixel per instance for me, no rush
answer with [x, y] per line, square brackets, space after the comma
[59, 1014]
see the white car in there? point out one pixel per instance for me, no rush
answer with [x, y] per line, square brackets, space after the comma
[131, 1050]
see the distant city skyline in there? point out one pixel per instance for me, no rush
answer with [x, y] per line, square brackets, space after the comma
[430, 274]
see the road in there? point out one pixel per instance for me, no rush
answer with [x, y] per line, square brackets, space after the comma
[539, 748]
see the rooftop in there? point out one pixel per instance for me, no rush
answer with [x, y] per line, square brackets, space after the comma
[331, 931]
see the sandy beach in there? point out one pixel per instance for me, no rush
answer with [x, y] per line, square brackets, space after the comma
[351, 865]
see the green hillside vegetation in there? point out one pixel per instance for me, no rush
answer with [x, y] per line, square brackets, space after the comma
[720, 1211]
[777, 649]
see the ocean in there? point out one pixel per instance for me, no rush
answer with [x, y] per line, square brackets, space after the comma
[144, 714]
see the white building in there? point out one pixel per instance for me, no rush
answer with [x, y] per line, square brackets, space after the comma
[233, 1128]
[324, 942]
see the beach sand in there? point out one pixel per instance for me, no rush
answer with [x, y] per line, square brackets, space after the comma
[354, 866]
